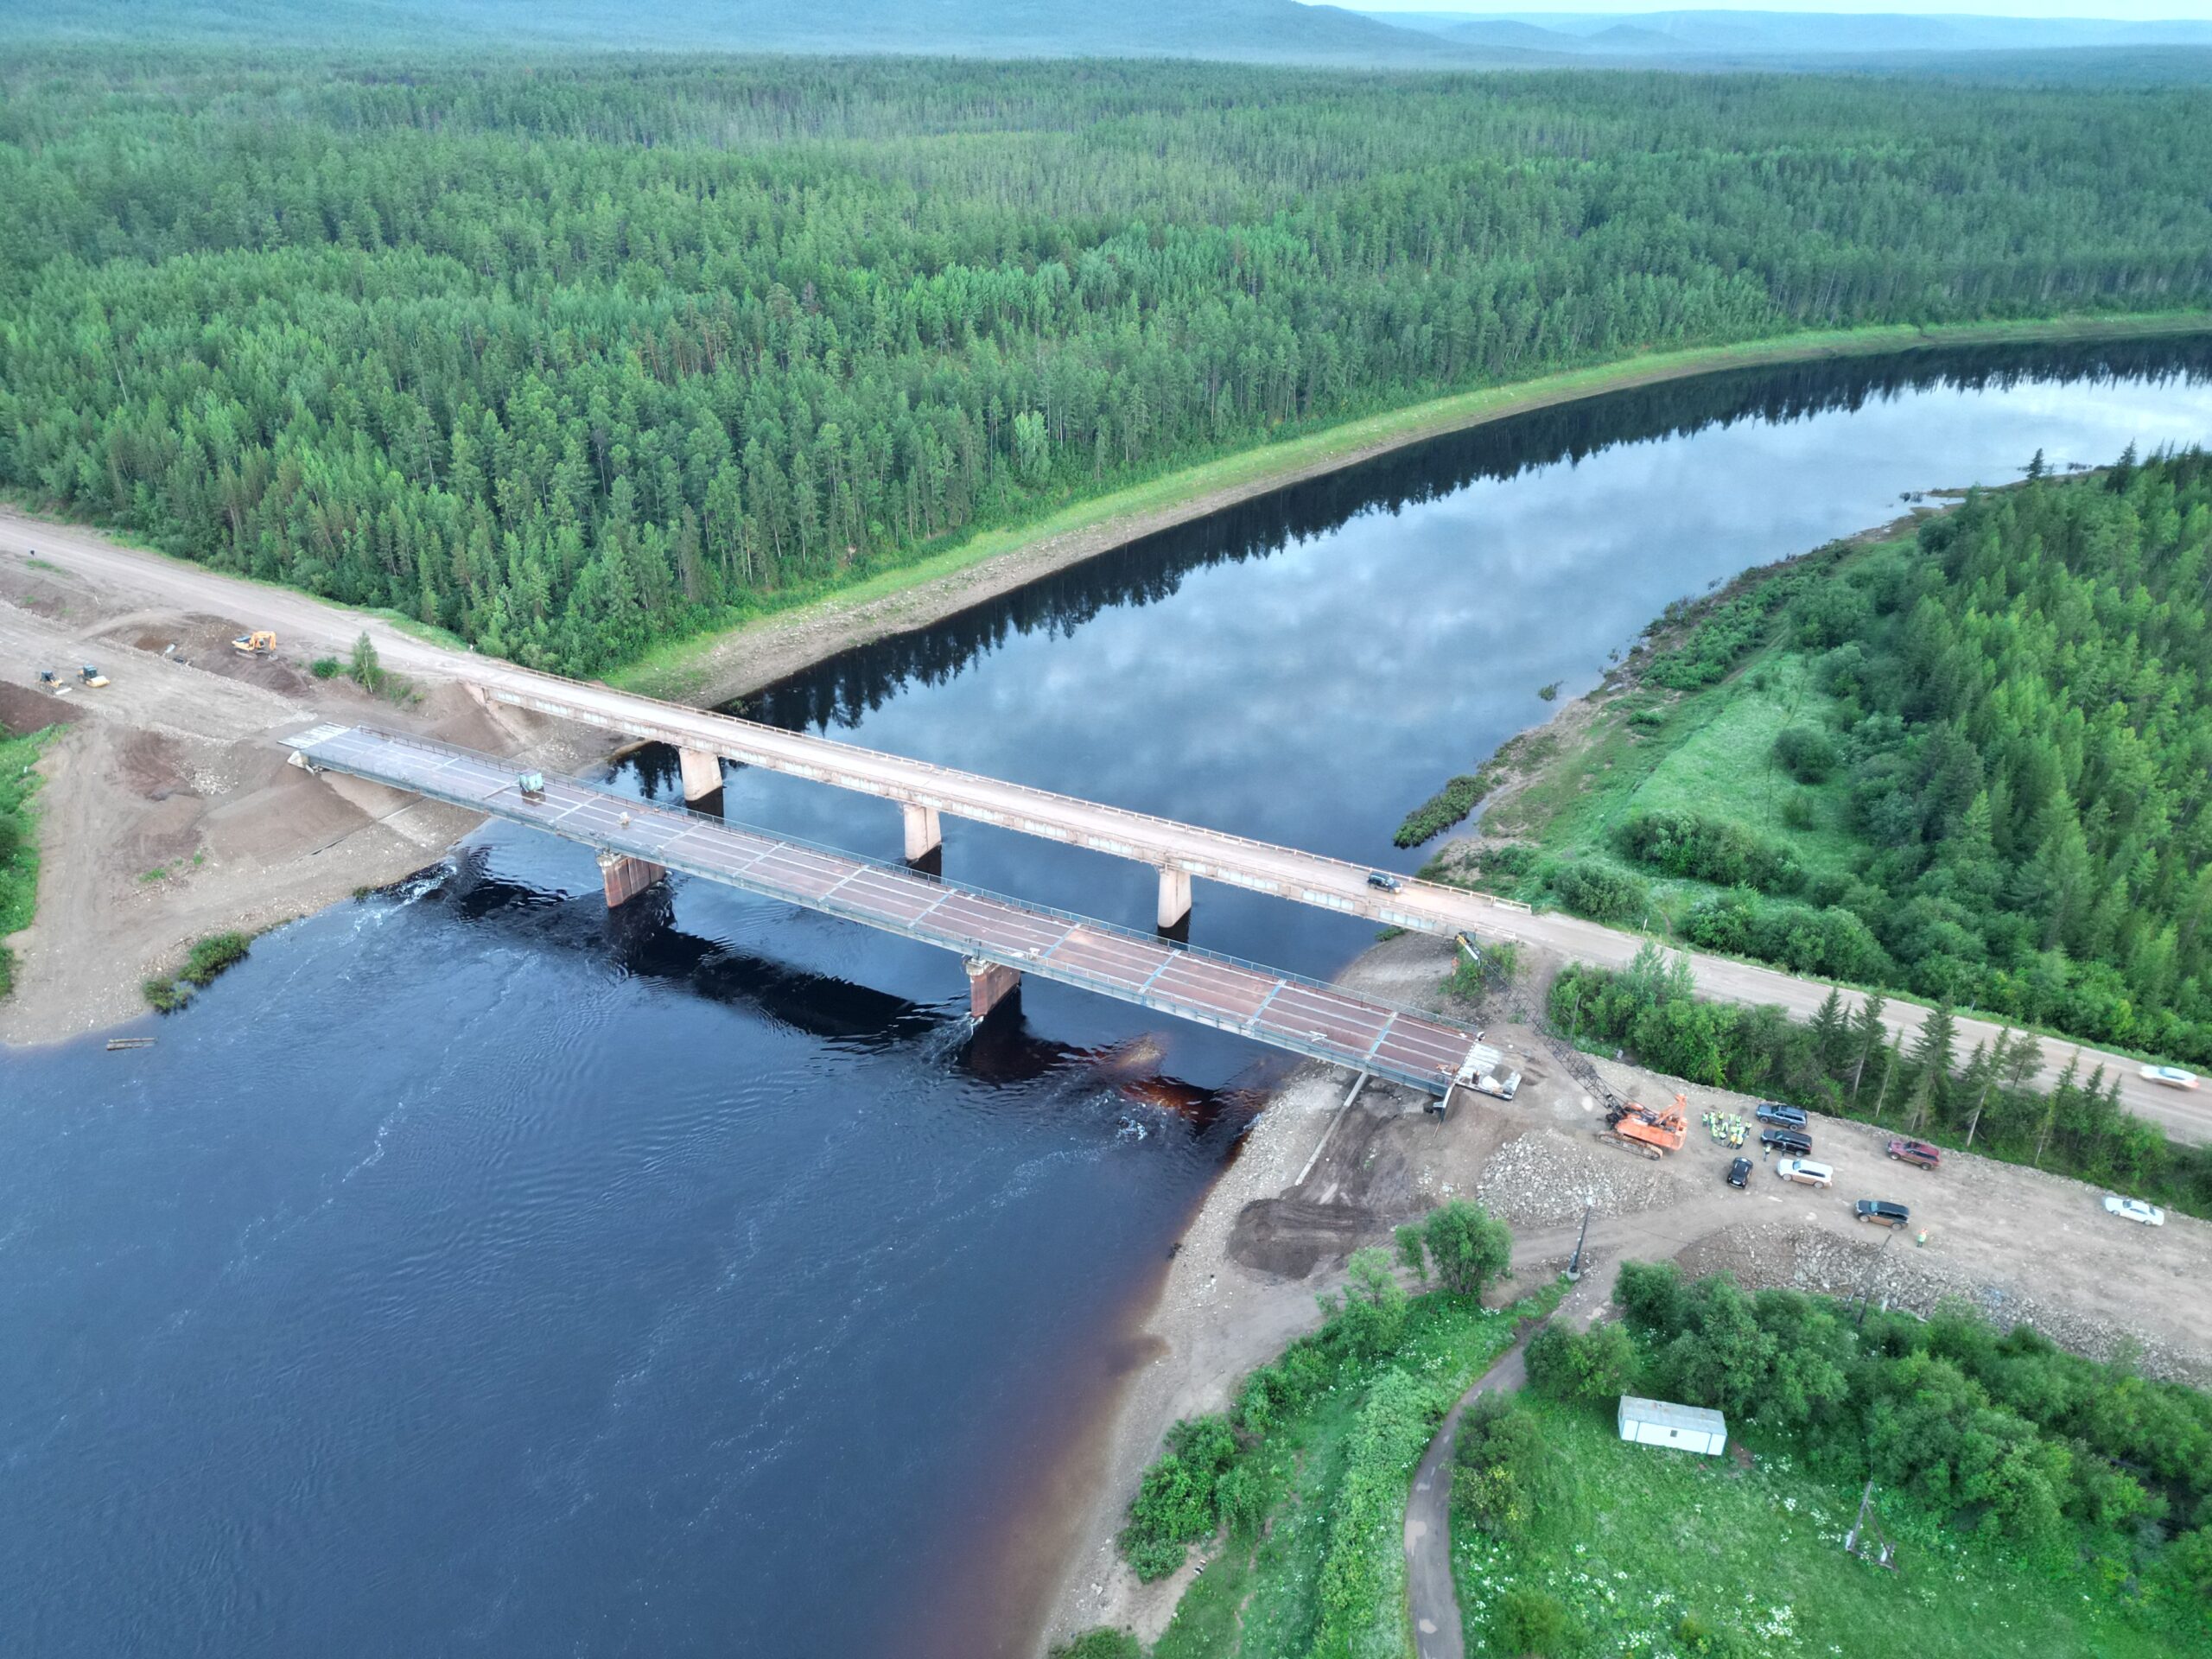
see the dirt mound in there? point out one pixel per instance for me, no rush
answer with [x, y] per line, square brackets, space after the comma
[1545, 1178]
[1290, 1237]
[151, 767]
[23, 709]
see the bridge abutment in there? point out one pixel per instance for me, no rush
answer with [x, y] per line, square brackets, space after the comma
[1174, 900]
[989, 983]
[702, 773]
[925, 834]
[624, 877]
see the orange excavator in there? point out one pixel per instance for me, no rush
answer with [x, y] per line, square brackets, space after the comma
[1639, 1129]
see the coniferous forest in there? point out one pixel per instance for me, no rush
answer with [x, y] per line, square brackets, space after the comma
[572, 356]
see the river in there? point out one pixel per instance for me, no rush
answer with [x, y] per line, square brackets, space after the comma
[471, 1272]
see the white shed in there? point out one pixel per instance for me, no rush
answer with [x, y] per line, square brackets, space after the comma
[1660, 1422]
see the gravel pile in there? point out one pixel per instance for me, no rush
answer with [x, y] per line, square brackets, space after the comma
[1544, 1177]
[1916, 1280]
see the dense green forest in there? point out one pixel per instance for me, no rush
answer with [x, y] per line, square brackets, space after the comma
[1992, 759]
[569, 356]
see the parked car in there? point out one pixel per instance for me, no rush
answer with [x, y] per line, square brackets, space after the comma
[1773, 1111]
[1918, 1153]
[1805, 1172]
[2135, 1210]
[1882, 1213]
[1795, 1142]
[1739, 1173]
[2172, 1075]
[1383, 880]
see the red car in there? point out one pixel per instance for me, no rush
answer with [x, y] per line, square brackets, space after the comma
[1917, 1152]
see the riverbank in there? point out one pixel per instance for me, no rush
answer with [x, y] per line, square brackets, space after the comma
[1314, 1181]
[719, 668]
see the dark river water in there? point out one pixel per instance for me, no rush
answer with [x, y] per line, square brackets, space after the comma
[473, 1272]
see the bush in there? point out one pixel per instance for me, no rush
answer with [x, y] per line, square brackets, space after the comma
[1531, 1623]
[163, 995]
[1468, 1245]
[1177, 1502]
[325, 668]
[1597, 1364]
[1509, 860]
[1101, 1643]
[1497, 1468]
[1799, 811]
[1444, 809]
[1807, 754]
[1708, 850]
[212, 957]
[1602, 894]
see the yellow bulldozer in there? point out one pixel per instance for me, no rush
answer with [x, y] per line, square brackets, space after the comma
[259, 643]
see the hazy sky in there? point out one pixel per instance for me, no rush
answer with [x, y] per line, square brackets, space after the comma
[2105, 11]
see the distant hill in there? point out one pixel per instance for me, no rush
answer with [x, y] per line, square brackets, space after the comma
[1257, 31]
[1728, 35]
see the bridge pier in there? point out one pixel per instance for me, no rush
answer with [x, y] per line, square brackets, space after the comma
[925, 834]
[1174, 900]
[624, 877]
[702, 773]
[989, 983]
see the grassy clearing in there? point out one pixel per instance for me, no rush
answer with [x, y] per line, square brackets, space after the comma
[679, 668]
[18, 841]
[1716, 745]
[1641, 1537]
[1267, 1597]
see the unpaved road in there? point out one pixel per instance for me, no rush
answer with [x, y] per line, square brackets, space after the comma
[1330, 883]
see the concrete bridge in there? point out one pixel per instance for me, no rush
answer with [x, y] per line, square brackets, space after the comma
[927, 794]
[1001, 940]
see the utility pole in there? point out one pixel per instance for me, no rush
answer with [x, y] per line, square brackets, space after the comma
[1873, 1273]
[1574, 1268]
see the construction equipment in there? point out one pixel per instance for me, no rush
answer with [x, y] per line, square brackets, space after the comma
[1639, 1129]
[91, 676]
[259, 643]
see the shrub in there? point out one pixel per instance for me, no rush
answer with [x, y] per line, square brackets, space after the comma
[1100, 1644]
[1510, 860]
[1602, 894]
[1807, 754]
[1177, 1502]
[1529, 1622]
[325, 668]
[1444, 809]
[1497, 1468]
[1799, 811]
[1597, 1364]
[213, 957]
[163, 995]
[1708, 850]
[1469, 1246]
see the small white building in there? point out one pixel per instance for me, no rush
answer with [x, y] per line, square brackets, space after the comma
[1660, 1422]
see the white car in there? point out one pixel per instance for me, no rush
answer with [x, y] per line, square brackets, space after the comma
[2172, 1075]
[2135, 1210]
[1805, 1171]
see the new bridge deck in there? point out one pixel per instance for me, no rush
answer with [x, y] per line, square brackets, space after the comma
[1285, 1010]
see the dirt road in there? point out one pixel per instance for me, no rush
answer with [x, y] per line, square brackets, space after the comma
[1304, 877]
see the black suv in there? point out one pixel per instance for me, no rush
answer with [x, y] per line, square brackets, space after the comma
[1882, 1212]
[1739, 1173]
[1773, 1111]
[1795, 1142]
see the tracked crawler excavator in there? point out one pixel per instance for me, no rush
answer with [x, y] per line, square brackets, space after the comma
[1640, 1129]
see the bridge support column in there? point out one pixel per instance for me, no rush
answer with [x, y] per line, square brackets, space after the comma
[989, 983]
[624, 877]
[924, 834]
[1174, 898]
[702, 773]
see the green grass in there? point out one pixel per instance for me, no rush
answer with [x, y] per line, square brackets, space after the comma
[1262, 1600]
[18, 841]
[1717, 746]
[1641, 1536]
[679, 668]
